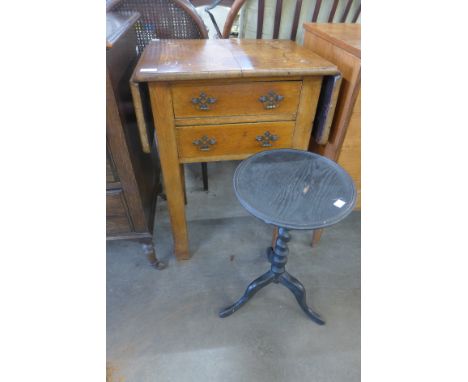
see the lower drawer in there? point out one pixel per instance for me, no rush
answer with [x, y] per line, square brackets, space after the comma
[232, 141]
[117, 219]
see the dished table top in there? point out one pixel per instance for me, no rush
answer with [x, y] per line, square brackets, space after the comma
[169, 60]
[294, 189]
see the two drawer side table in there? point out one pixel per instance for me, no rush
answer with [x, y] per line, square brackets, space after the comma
[216, 100]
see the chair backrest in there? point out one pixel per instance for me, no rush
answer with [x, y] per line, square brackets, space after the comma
[164, 19]
[340, 11]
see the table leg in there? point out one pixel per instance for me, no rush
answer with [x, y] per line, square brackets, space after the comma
[278, 257]
[161, 104]
[253, 288]
[296, 287]
[176, 204]
[204, 167]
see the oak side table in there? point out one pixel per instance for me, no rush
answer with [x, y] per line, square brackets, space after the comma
[216, 100]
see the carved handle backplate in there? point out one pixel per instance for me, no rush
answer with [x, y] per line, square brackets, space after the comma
[203, 101]
[266, 139]
[204, 143]
[271, 100]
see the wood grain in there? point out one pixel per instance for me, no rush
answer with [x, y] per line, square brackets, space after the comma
[234, 119]
[350, 153]
[340, 43]
[236, 73]
[235, 139]
[307, 106]
[345, 36]
[117, 218]
[122, 159]
[141, 123]
[236, 99]
[131, 191]
[174, 60]
[294, 189]
[161, 103]
[111, 173]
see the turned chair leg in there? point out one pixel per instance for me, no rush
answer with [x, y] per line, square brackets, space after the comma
[148, 249]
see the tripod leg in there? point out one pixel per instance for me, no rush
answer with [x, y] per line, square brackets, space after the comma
[295, 286]
[253, 288]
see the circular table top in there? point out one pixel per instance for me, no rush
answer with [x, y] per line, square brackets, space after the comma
[294, 189]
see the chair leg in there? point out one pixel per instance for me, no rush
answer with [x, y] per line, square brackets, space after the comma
[316, 237]
[204, 168]
[148, 249]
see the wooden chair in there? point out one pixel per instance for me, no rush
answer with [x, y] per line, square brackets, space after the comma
[323, 11]
[162, 19]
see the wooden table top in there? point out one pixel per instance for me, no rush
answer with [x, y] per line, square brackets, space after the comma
[346, 36]
[168, 60]
[294, 189]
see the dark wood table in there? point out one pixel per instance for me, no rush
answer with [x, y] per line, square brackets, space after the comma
[291, 189]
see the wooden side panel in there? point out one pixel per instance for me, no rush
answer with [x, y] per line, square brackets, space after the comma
[117, 218]
[111, 172]
[350, 68]
[307, 107]
[344, 119]
[350, 155]
[326, 108]
[161, 103]
[138, 175]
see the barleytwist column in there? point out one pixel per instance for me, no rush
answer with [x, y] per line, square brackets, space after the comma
[280, 253]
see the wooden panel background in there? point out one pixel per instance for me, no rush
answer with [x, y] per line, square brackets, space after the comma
[350, 155]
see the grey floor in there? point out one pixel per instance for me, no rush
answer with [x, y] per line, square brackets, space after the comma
[163, 325]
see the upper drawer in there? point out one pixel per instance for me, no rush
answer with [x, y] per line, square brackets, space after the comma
[279, 98]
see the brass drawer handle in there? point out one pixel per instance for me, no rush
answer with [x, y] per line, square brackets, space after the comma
[271, 100]
[204, 143]
[203, 101]
[266, 139]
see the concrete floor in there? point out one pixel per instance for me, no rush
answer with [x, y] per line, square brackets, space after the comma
[163, 325]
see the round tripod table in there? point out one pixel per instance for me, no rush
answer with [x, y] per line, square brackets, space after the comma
[291, 189]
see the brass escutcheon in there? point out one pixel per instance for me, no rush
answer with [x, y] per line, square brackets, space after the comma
[266, 139]
[204, 143]
[271, 100]
[203, 101]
